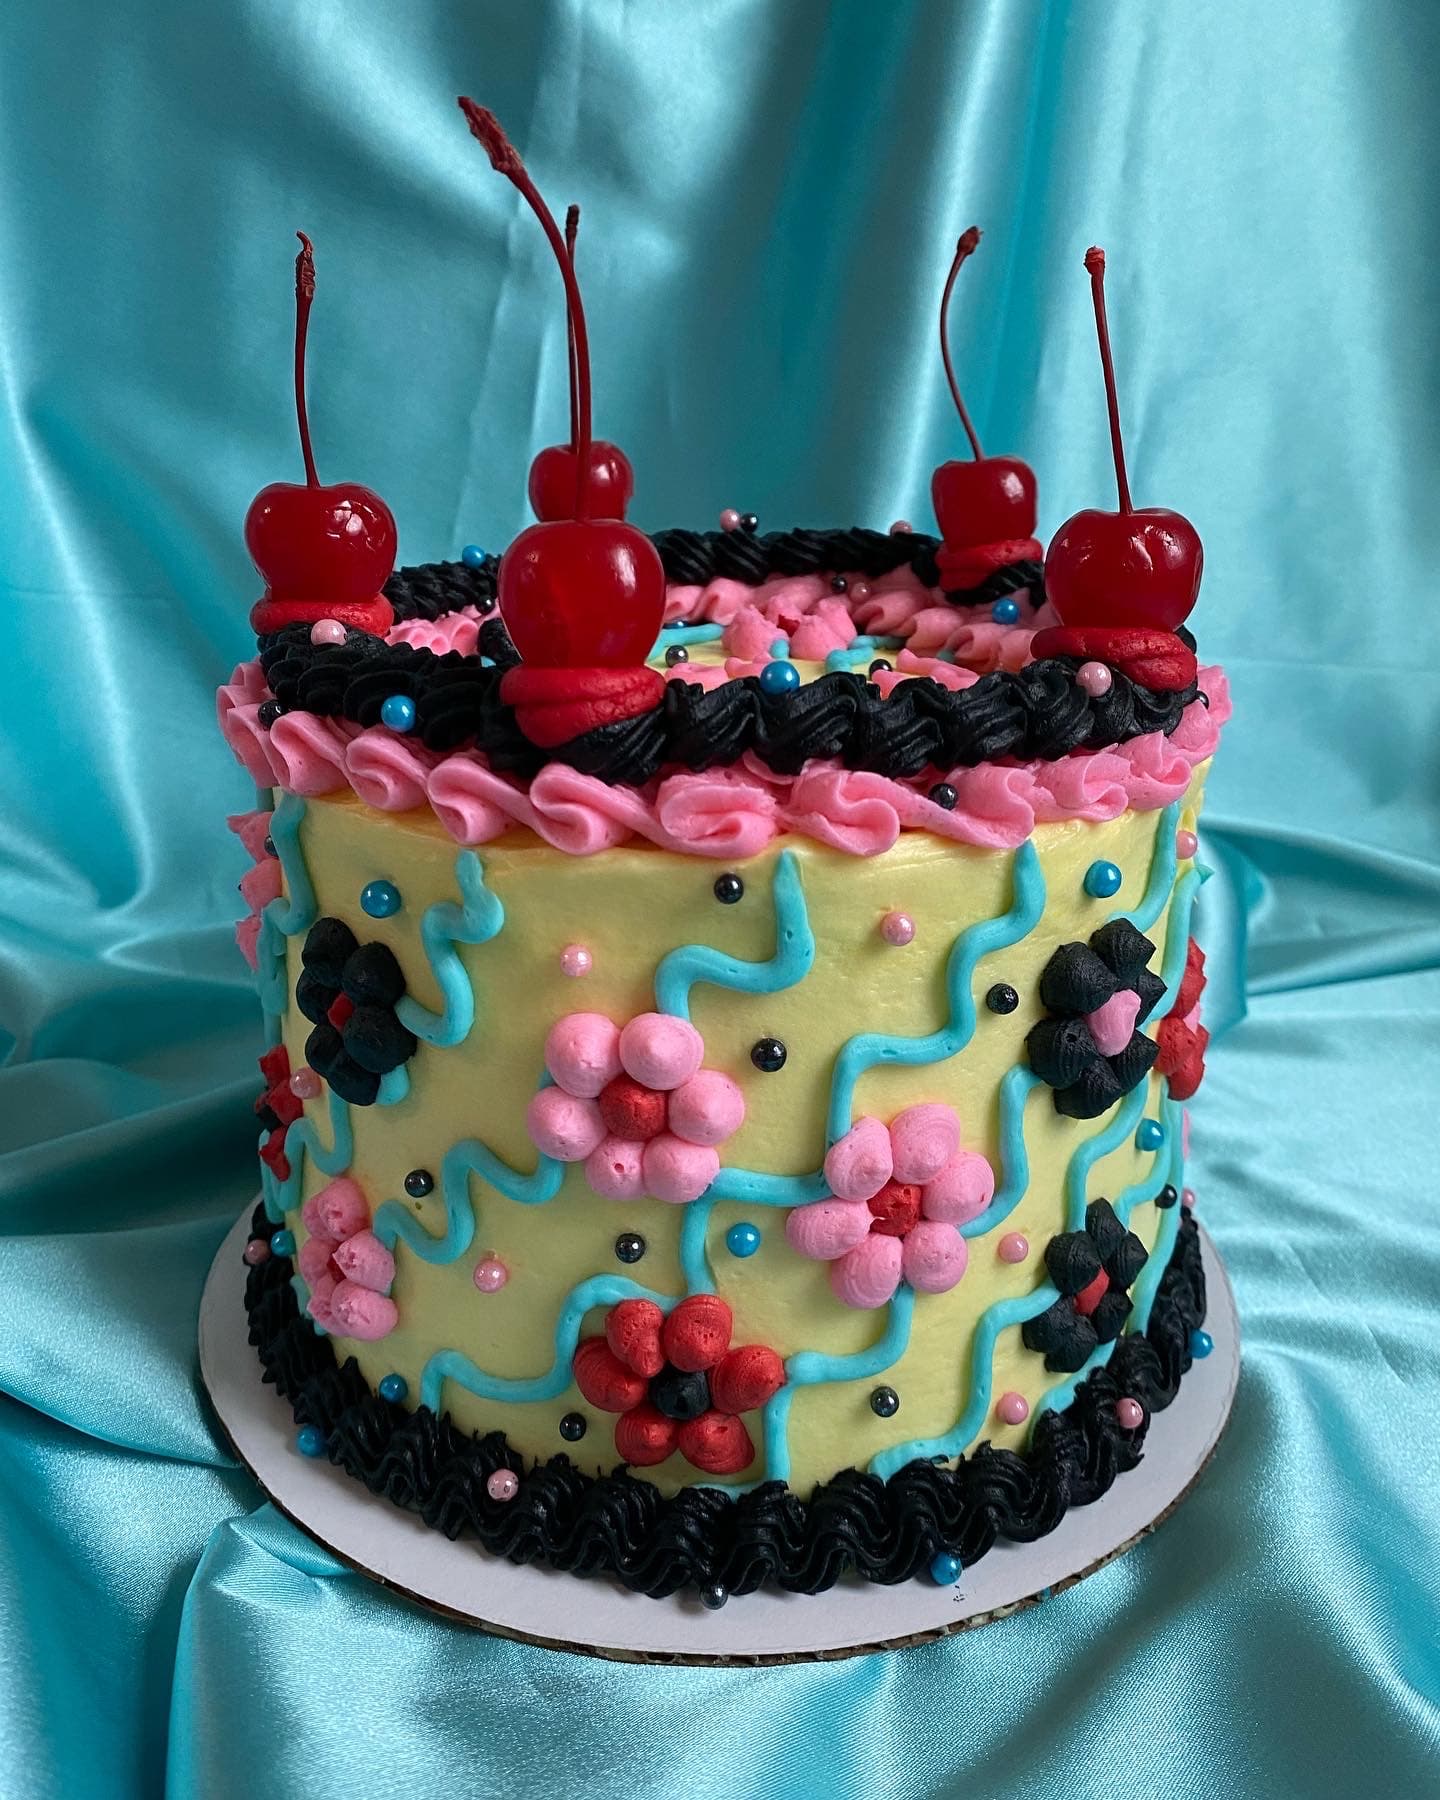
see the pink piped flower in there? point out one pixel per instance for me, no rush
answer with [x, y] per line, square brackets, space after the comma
[897, 1194]
[346, 1267]
[634, 1106]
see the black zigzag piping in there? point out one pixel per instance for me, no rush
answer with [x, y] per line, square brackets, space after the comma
[693, 558]
[619, 1525]
[433, 589]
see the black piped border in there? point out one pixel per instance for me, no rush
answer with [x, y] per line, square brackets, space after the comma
[621, 1526]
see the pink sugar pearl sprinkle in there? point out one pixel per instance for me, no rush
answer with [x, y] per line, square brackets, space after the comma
[1014, 1247]
[730, 519]
[576, 960]
[327, 631]
[897, 928]
[504, 1484]
[304, 1084]
[1186, 844]
[1012, 1409]
[1187, 1199]
[490, 1275]
[1094, 678]
[256, 1251]
[1130, 1413]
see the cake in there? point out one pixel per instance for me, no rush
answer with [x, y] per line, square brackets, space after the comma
[731, 1007]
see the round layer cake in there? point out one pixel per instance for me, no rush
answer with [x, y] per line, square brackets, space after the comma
[745, 1142]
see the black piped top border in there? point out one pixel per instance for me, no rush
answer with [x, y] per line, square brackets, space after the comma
[618, 1525]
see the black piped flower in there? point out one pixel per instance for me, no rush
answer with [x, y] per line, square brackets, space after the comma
[1093, 1269]
[1079, 981]
[348, 991]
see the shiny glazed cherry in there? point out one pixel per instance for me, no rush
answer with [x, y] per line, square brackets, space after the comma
[582, 593]
[608, 490]
[987, 501]
[334, 544]
[1139, 568]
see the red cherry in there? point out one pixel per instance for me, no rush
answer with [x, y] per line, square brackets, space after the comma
[1140, 566]
[325, 552]
[609, 488]
[992, 499]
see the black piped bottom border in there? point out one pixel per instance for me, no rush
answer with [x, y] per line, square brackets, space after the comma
[619, 1525]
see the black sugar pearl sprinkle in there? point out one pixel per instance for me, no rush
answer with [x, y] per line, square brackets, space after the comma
[675, 654]
[1166, 1198]
[1002, 998]
[572, 1427]
[749, 522]
[885, 1402]
[768, 1055]
[269, 846]
[880, 666]
[839, 584]
[485, 604]
[944, 795]
[270, 711]
[629, 1246]
[714, 1596]
[419, 1183]
[729, 889]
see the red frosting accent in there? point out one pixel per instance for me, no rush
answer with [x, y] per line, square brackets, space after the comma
[717, 1443]
[375, 616]
[340, 1011]
[896, 1208]
[632, 1331]
[967, 566]
[746, 1378]
[1182, 1056]
[1092, 1294]
[603, 1379]
[1156, 659]
[1192, 984]
[272, 1151]
[644, 1436]
[554, 705]
[631, 1110]
[697, 1335]
[286, 1106]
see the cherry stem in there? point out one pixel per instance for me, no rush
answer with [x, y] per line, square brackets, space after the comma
[572, 231]
[304, 294]
[968, 240]
[1095, 264]
[505, 159]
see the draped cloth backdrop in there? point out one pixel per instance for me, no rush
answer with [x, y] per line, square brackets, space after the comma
[771, 193]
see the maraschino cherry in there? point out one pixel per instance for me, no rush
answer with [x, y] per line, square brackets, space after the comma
[1138, 567]
[325, 552]
[986, 508]
[552, 474]
[583, 598]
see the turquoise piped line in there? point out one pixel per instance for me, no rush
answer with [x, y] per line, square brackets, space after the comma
[478, 918]
[683, 968]
[811, 1368]
[453, 1365]
[685, 634]
[301, 1139]
[870, 1049]
[1084, 1157]
[1177, 940]
[297, 913]
[395, 1223]
[394, 1086]
[1162, 873]
[753, 1188]
[993, 1321]
[1015, 1090]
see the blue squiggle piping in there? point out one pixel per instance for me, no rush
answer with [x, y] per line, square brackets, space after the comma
[1162, 873]
[1015, 1090]
[870, 1049]
[454, 1365]
[685, 634]
[284, 916]
[809, 1368]
[478, 918]
[395, 1223]
[794, 954]
[281, 1196]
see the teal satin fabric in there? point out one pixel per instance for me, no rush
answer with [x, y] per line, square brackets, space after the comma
[771, 196]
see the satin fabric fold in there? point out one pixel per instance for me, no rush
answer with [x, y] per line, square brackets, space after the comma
[771, 196]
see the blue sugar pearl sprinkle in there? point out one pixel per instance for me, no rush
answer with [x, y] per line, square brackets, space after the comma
[282, 1243]
[742, 1240]
[398, 713]
[1201, 1344]
[945, 1569]
[1005, 612]
[381, 899]
[394, 1387]
[473, 556]
[1150, 1136]
[1102, 879]
[310, 1440]
[779, 678]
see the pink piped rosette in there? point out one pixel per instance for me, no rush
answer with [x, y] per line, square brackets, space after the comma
[897, 1194]
[634, 1105]
[347, 1268]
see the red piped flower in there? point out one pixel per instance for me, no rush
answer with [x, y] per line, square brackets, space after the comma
[1183, 1039]
[676, 1383]
[277, 1109]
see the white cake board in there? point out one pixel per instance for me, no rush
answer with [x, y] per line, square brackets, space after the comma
[600, 1618]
